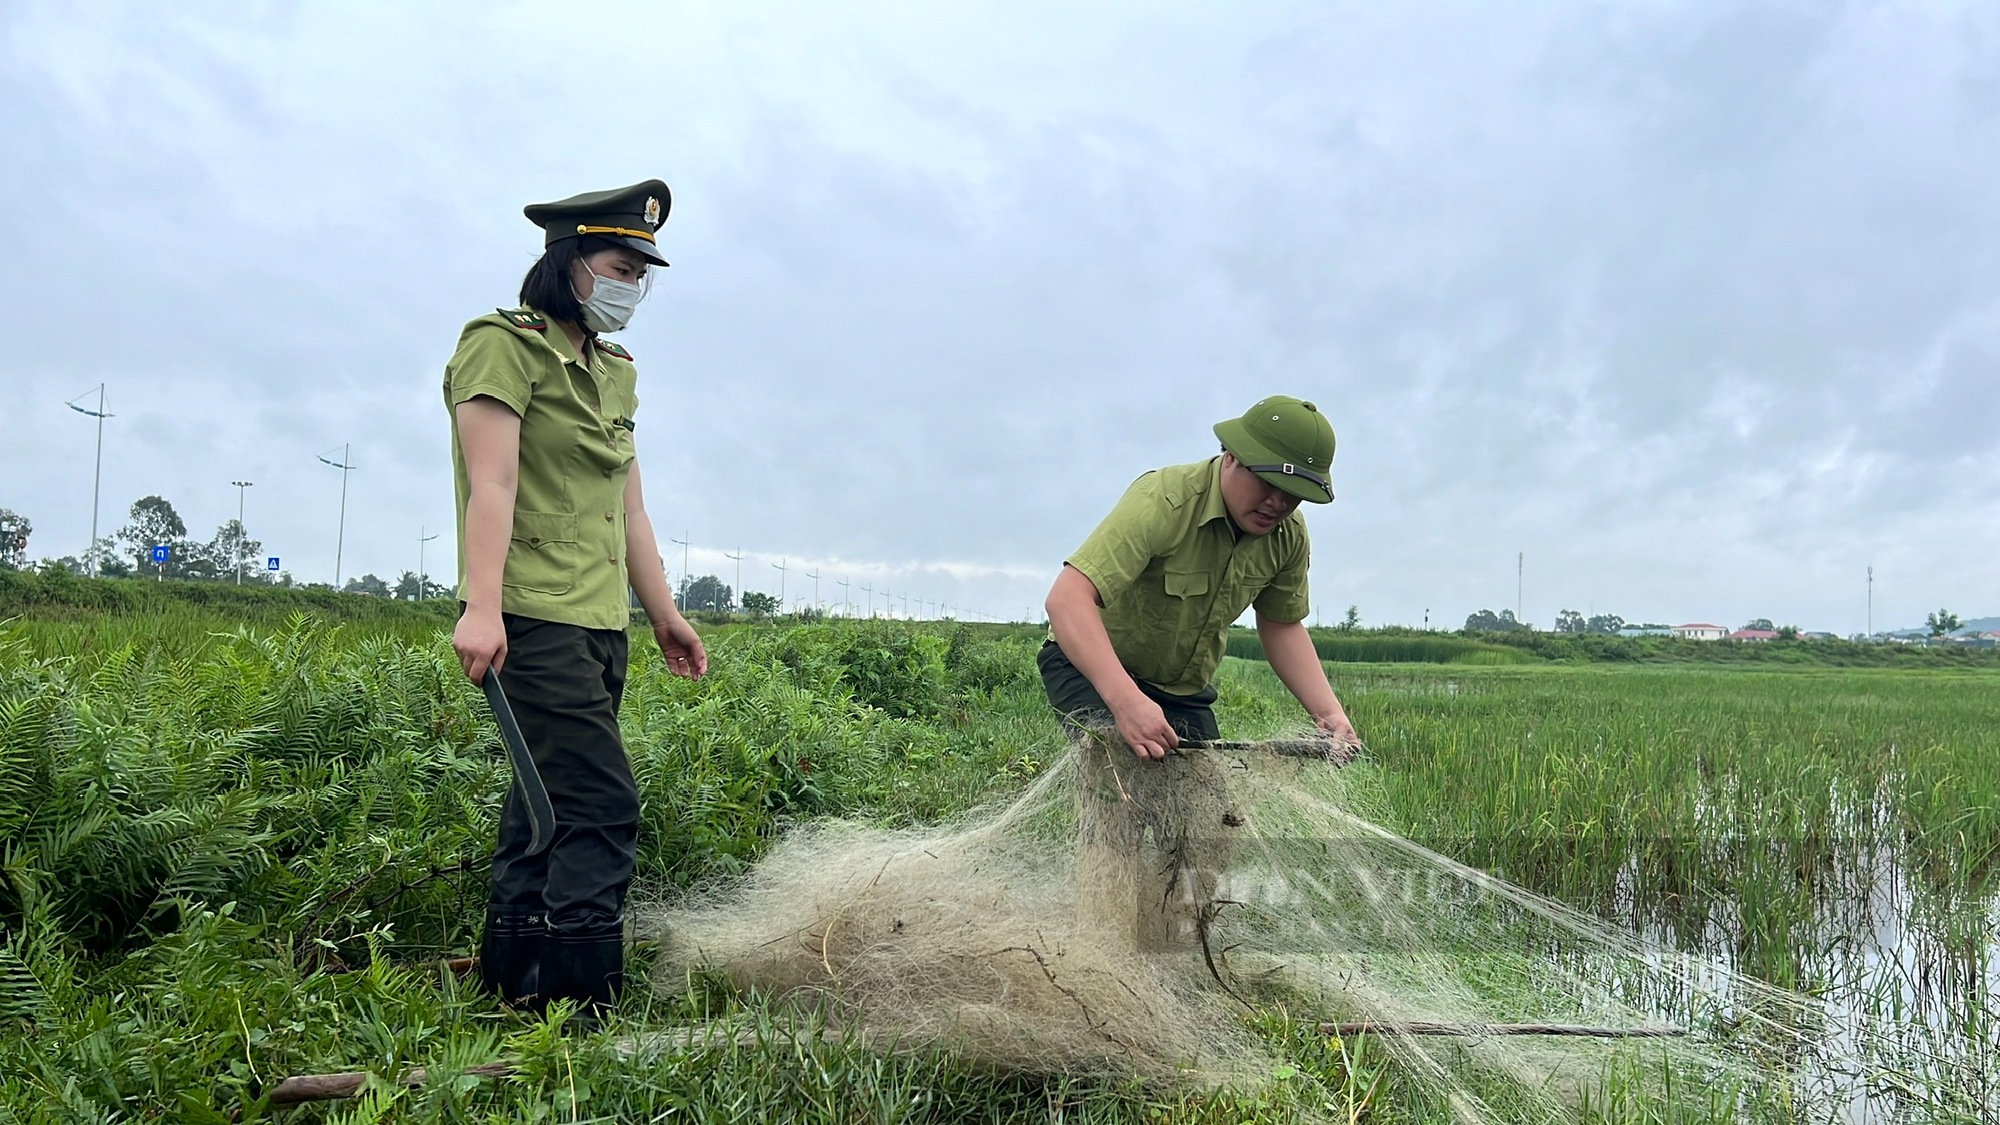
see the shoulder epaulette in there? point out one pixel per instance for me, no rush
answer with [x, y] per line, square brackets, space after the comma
[609, 348]
[525, 318]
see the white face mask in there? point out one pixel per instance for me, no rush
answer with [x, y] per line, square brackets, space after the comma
[610, 304]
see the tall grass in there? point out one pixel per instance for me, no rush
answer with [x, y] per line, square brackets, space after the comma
[1388, 647]
[229, 854]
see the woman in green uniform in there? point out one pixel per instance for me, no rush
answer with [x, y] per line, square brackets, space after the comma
[552, 530]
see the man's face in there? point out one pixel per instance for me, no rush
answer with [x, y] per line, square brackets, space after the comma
[1257, 508]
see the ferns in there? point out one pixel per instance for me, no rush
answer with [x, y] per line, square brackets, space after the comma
[190, 846]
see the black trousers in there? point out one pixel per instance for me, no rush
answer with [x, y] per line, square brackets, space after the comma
[1191, 716]
[556, 921]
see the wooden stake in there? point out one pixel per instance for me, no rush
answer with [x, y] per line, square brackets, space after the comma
[1481, 1030]
[1317, 749]
[323, 1087]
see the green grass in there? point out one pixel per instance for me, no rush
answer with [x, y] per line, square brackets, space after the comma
[229, 857]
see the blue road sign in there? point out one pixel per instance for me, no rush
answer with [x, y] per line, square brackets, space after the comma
[271, 563]
[162, 554]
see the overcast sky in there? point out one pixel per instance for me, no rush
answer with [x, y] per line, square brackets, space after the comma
[1697, 305]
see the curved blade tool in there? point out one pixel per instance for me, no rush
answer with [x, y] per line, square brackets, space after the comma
[534, 795]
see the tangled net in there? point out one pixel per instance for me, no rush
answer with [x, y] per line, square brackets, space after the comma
[1127, 916]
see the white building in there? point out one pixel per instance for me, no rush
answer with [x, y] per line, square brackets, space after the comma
[1700, 631]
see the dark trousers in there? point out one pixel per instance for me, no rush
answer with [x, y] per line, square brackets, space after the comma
[556, 921]
[1191, 716]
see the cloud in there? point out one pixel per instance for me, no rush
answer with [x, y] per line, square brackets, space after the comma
[1693, 304]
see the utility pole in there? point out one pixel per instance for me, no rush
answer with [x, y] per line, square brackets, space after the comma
[906, 604]
[240, 486]
[846, 603]
[1427, 619]
[738, 556]
[423, 577]
[1871, 603]
[870, 591]
[781, 568]
[687, 580]
[1520, 581]
[97, 478]
[815, 577]
[340, 541]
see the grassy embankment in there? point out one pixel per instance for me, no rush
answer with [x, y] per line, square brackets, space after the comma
[227, 860]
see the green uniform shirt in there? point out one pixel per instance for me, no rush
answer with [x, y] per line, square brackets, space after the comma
[1174, 573]
[567, 558]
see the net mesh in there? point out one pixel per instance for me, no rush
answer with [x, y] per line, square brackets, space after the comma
[1135, 917]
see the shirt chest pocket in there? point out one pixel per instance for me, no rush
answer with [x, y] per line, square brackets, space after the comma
[544, 555]
[1187, 583]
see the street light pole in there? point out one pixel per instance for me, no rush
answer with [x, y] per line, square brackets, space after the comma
[97, 478]
[345, 466]
[815, 577]
[870, 591]
[780, 567]
[423, 578]
[846, 603]
[687, 580]
[738, 556]
[240, 486]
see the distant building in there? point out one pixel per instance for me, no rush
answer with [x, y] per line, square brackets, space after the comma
[1700, 631]
[1817, 635]
[1749, 634]
[1644, 631]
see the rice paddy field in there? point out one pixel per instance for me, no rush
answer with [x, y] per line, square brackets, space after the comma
[231, 853]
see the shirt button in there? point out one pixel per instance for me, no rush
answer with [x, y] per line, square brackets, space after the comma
[608, 519]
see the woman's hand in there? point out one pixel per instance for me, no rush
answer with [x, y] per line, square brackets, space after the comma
[480, 641]
[681, 646]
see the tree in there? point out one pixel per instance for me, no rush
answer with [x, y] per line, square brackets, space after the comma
[1570, 621]
[409, 588]
[154, 523]
[1487, 621]
[1762, 625]
[366, 584]
[1788, 632]
[1352, 620]
[1604, 623]
[233, 551]
[14, 531]
[759, 603]
[705, 592]
[1942, 622]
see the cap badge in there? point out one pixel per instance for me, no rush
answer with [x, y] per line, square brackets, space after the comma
[652, 211]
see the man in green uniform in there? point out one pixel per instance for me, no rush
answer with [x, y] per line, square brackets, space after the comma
[1140, 615]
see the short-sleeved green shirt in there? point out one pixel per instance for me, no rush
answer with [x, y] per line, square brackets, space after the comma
[1174, 572]
[567, 558]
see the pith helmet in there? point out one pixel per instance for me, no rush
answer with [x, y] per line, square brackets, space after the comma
[1287, 442]
[627, 216]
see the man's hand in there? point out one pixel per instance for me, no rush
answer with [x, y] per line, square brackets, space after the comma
[480, 641]
[1145, 729]
[1336, 725]
[682, 648]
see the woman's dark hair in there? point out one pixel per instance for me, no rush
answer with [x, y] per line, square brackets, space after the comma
[547, 289]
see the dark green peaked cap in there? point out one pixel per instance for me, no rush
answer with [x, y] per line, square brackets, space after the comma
[1287, 442]
[627, 216]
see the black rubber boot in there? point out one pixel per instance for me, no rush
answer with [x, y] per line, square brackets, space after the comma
[586, 965]
[511, 955]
